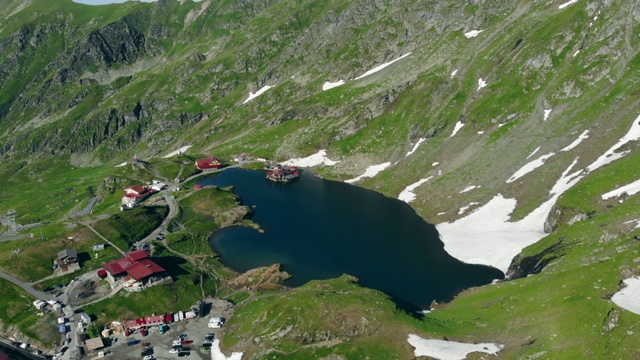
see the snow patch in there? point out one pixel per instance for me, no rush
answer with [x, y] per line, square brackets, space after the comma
[611, 155]
[407, 194]
[453, 73]
[319, 158]
[571, 2]
[533, 153]
[371, 171]
[123, 164]
[330, 85]
[628, 298]
[529, 167]
[449, 350]
[216, 353]
[576, 53]
[486, 236]
[457, 128]
[546, 114]
[481, 83]
[177, 152]
[480, 132]
[380, 67]
[257, 93]
[415, 147]
[469, 188]
[629, 189]
[435, 164]
[472, 33]
[577, 141]
[465, 208]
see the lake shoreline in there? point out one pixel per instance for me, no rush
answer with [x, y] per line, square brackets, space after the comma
[317, 229]
[16, 353]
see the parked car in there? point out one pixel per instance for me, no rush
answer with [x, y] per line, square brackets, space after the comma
[174, 351]
[147, 344]
[216, 323]
[148, 357]
[132, 342]
[183, 353]
[183, 336]
[187, 342]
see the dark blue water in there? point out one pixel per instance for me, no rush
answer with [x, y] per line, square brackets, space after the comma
[16, 353]
[320, 229]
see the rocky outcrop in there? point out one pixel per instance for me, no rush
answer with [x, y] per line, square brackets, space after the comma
[523, 265]
[558, 216]
[262, 278]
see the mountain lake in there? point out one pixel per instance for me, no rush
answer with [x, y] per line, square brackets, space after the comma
[320, 229]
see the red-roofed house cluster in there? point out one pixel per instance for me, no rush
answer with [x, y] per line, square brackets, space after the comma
[208, 163]
[134, 195]
[135, 265]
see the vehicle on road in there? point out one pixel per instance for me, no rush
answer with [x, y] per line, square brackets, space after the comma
[80, 294]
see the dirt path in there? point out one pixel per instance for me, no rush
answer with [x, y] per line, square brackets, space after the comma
[103, 238]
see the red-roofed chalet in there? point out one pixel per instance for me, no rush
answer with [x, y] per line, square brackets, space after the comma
[135, 264]
[208, 163]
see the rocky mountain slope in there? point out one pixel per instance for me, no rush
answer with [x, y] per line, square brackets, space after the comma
[483, 98]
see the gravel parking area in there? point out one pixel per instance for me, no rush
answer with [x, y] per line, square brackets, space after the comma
[160, 344]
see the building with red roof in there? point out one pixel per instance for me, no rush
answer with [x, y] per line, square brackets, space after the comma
[208, 163]
[134, 195]
[134, 264]
[137, 255]
[136, 189]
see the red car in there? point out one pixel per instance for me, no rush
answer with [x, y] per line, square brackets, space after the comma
[187, 342]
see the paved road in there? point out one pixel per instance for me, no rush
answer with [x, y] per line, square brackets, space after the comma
[173, 206]
[22, 227]
[89, 208]
[26, 286]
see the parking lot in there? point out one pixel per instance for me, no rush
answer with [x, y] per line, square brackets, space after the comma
[194, 332]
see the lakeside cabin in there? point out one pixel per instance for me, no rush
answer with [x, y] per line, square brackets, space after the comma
[208, 163]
